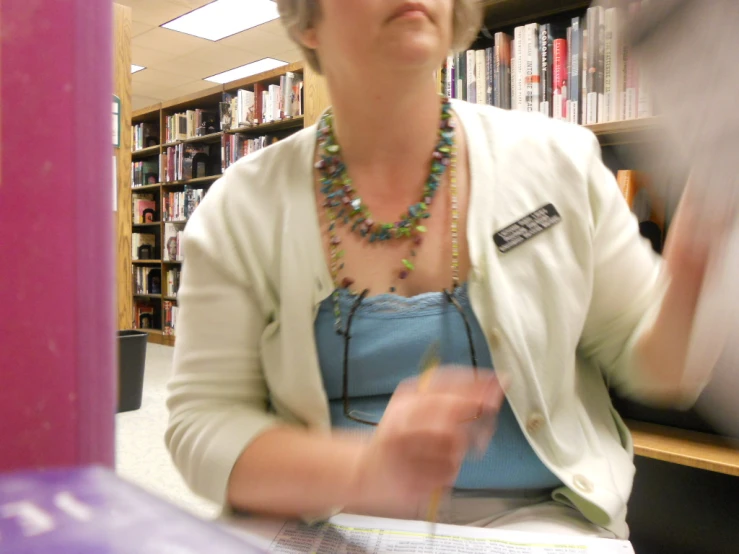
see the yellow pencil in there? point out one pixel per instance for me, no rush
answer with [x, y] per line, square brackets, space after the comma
[431, 361]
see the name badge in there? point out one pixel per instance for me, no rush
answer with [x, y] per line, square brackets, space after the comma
[526, 228]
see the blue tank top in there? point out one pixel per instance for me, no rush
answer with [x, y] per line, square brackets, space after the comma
[390, 335]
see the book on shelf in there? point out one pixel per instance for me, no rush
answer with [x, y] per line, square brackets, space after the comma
[173, 282]
[143, 246]
[145, 315]
[147, 280]
[179, 206]
[144, 135]
[172, 242]
[144, 208]
[170, 317]
[577, 70]
[144, 172]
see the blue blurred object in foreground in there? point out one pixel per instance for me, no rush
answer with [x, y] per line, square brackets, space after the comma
[91, 511]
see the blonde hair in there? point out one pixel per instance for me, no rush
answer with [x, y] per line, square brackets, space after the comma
[300, 15]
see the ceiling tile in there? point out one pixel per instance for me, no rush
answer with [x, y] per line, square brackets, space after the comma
[189, 88]
[259, 42]
[137, 28]
[189, 67]
[274, 27]
[156, 12]
[161, 78]
[138, 101]
[147, 57]
[223, 56]
[290, 56]
[165, 40]
[150, 90]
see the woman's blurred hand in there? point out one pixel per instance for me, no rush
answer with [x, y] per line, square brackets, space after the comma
[424, 436]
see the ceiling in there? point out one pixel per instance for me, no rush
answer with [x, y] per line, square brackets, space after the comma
[176, 63]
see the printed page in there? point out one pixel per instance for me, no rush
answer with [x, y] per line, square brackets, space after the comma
[347, 534]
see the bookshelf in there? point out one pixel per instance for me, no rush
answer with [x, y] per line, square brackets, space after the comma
[162, 190]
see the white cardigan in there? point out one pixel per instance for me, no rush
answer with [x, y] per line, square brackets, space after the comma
[561, 311]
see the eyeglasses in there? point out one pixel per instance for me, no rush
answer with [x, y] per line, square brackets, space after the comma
[367, 419]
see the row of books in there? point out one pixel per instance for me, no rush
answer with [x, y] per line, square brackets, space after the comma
[144, 208]
[190, 124]
[147, 280]
[170, 317]
[188, 161]
[235, 146]
[580, 72]
[144, 246]
[144, 173]
[144, 135]
[179, 206]
[263, 104]
[172, 284]
[172, 242]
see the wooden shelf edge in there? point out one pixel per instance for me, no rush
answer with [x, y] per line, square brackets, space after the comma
[192, 181]
[287, 123]
[295, 67]
[146, 187]
[146, 261]
[688, 448]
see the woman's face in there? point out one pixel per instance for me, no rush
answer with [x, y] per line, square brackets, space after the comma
[397, 33]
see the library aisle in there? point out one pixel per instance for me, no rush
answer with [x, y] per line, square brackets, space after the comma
[141, 455]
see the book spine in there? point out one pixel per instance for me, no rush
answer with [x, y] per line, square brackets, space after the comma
[644, 104]
[489, 76]
[574, 87]
[600, 74]
[450, 76]
[533, 71]
[592, 91]
[584, 77]
[481, 77]
[471, 81]
[609, 81]
[632, 74]
[497, 78]
[505, 71]
[559, 109]
[545, 81]
[287, 92]
[568, 76]
[513, 79]
[520, 38]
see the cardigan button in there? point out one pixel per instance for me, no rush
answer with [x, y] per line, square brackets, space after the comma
[582, 484]
[494, 338]
[535, 422]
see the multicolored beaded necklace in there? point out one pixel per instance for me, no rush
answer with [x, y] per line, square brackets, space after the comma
[344, 207]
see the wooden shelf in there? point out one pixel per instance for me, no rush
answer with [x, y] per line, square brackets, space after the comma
[288, 123]
[192, 181]
[172, 262]
[152, 331]
[147, 295]
[146, 187]
[145, 152]
[152, 224]
[211, 138]
[170, 298]
[176, 221]
[628, 131]
[688, 448]
[144, 262]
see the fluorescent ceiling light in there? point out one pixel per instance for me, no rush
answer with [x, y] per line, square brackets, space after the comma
[135, 68]
[265, 64]
[224, 18]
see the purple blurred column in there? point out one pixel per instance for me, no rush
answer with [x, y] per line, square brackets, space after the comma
[57, 328]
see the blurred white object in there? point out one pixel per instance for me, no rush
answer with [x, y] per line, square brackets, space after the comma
[687, 50]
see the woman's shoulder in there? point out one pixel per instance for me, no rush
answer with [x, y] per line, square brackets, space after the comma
[525, 132]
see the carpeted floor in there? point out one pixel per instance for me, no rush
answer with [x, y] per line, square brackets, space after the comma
[141, 456]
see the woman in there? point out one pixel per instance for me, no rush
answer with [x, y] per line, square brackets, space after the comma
[299, 248]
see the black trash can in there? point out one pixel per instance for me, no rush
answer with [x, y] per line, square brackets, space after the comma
[131, 361]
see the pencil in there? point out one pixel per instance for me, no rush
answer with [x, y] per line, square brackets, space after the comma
[431, 361]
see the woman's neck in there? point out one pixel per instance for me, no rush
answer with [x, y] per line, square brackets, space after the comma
[386, 130]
